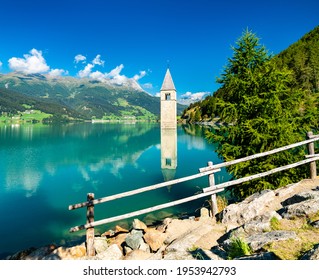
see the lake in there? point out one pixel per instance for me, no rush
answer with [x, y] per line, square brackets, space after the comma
[45, 168]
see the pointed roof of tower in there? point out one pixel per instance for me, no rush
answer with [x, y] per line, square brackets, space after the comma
[168, 83]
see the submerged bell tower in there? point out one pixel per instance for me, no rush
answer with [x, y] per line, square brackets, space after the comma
[168, 102]
[168, 128]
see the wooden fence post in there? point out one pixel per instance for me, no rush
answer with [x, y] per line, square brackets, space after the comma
[311, 151]
[90, 251]
[211, 180]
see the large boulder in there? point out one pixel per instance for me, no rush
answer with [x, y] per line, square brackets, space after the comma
[301, 209]
[257, 241]
[235, 215]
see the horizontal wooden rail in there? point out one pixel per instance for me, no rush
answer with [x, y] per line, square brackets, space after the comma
[149, 188]
[143, 211]
[260, 175]
[228, 163]
[206, 192]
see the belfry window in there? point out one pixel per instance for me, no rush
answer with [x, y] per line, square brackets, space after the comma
[167, 96]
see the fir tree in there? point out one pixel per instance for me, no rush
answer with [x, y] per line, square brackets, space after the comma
[263, 112]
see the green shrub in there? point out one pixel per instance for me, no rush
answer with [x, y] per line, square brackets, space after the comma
[238, 248]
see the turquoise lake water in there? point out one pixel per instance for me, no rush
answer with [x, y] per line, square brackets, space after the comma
[44, 169]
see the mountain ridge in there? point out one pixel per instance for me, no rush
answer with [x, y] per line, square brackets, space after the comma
[85, 98]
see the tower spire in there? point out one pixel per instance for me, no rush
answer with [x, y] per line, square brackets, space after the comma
[168, 83]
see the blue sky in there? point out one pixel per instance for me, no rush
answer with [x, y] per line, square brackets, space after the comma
[135, 39]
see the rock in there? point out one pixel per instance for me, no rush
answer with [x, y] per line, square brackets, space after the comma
[119, 229]
[301, 209]
[100, 244]
[134, 239]
[262, 256]
[138, 255]
[186, 241]
[108, 234]
[71, 253]
[257, 241]
[258, 224]
[113, 252]
[40, 253]
[145, 247]
[204, 213]
[237, 214]
[178, 228]
[287, 191]
[164, 225]
[21, 255]
[154, 239]
[315, 224]
[211, 255]
[312, 254]
[118, 239]
[139, 225]
[177, 255]
[301, 197]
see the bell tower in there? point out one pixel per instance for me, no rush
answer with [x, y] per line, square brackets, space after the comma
[168, 102]
[168, 128]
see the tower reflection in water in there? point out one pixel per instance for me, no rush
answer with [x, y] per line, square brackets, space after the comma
[168, 152]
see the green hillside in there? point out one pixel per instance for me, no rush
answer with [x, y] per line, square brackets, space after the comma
[14, 105]
[302, 58]
[80, 98]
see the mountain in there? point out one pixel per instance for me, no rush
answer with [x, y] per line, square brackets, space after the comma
[81, 98]
[302, 58]
[12, 103]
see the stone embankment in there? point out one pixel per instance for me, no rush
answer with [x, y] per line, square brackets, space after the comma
[273, 224]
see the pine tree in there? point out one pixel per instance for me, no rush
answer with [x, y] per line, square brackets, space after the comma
[263, 112]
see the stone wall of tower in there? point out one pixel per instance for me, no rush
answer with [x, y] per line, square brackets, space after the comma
[168, 109]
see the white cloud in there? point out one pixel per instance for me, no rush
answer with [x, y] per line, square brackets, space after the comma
[1, 64]
[58, 72]
[97, 75]
[32, 63]
[98, 61]
[114, 76]
[147, 85]
[194, 96]
[115, 72]
[139, 76]
[79, 58]
[189, 97]
[86, 71]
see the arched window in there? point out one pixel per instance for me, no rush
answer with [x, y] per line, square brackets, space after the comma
[167, 96]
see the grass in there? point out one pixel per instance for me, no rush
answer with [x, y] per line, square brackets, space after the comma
[35, 115]
[222, 202]
[293, 249]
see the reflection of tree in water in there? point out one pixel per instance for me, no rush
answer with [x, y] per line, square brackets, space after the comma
[194, 130]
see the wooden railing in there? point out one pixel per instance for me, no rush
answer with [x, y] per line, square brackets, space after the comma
[212, 190]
